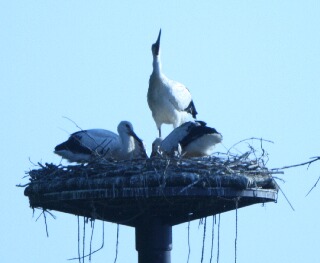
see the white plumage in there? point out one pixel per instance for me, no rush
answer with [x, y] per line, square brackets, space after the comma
[169, 101]
[88, 145]
[191, 139]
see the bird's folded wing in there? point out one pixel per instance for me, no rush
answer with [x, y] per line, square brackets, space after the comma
[99, 140]
[179, 96]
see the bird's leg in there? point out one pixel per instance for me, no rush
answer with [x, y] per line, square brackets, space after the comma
[159, 129]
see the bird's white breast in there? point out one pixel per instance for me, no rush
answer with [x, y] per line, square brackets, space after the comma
[167, 99]
[202, 146]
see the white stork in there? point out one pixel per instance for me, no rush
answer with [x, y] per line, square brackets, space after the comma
[191, 139]
[169, 101]
[88, 145]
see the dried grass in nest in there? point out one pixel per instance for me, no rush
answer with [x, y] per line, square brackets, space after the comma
[224, 170]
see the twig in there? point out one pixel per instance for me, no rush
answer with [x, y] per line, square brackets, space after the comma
[83, 238]
[92, 230]
[278, 178]
[189, 250]
[200, 222]
[73, 122]
[79, 239]
[300, 164]
[32, 162]
[218, 246]
[204, 237]
[286, 198]
[212, 237]
[236, 238]
[46, 211]
[313, 186]
[45, 221]
[190, 185]
[102, 152]
[23, 185]
[102, 245]
[248, 139]
[117, 244]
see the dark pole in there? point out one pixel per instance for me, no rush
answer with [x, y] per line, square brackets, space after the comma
[154, 241]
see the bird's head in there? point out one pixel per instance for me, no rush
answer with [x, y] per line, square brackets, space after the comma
[125, 127]
[155, 48]
[156, 148]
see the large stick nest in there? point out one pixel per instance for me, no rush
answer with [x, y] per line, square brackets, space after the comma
[239, 172]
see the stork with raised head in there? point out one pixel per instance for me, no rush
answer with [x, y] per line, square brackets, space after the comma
[169, 101]
[191, 139]
[88, 145]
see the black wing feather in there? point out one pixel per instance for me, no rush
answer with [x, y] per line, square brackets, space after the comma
[191, 109]
[196, 132]
[73, 145]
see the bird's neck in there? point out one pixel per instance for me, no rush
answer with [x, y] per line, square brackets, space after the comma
[156, 65]
[128, 144]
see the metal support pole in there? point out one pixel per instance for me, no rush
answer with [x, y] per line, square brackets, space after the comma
[154, 241]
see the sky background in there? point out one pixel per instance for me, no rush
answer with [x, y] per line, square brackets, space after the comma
[253, 68]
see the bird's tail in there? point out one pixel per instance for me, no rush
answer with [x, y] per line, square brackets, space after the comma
[191, 109]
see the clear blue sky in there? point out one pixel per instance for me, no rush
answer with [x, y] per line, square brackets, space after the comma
[253, 70]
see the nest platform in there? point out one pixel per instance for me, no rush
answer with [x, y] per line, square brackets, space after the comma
[133, 192]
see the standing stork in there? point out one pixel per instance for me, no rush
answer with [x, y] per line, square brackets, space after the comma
[169, 101]
[88, 145]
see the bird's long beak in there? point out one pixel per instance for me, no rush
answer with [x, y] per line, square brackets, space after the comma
[135, 136]
[140, 143]
[157, 44]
